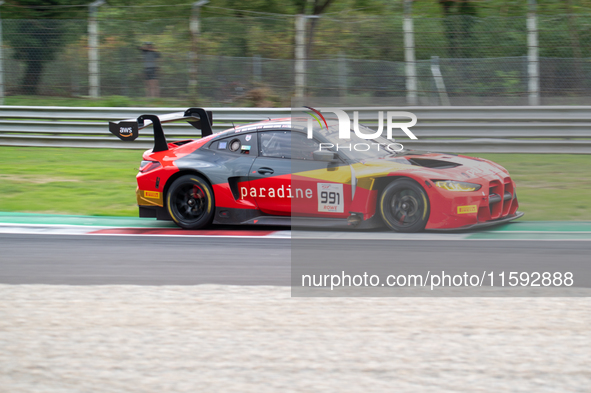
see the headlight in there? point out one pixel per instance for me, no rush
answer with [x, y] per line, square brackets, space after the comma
[452, 185]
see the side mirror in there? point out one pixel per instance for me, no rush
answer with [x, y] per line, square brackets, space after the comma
[326, 156]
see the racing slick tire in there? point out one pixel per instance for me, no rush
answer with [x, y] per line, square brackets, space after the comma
[190, 202]
[404, 206]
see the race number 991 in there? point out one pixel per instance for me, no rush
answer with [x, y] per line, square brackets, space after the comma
[330, 198]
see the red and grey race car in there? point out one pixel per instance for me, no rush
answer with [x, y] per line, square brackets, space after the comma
[272, 173]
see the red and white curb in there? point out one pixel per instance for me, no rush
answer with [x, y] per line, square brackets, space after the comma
[44, 229]
[53, 229]
[249, 233]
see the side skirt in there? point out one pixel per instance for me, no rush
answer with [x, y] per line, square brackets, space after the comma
[229, 216]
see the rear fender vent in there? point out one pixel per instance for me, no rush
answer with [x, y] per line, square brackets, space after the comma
[233, 183]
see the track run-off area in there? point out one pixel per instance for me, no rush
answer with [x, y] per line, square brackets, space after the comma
[137, 305]
[79, 250]
[25, 223]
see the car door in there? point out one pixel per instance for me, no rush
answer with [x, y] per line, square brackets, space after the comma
[286, 180]
[270, 174]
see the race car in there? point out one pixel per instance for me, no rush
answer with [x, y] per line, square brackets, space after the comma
[274, 172]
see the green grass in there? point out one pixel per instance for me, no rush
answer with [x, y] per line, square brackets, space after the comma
[110, 101]
[69, 181]
[102, 182]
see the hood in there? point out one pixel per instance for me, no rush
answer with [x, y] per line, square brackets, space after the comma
[434, 165]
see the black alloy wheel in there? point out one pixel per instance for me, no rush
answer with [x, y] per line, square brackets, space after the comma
[404, 206]
[190, 202]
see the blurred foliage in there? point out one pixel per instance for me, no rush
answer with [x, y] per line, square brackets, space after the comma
[107, 101]
[233, 32]
[368, 29]
[37, 37]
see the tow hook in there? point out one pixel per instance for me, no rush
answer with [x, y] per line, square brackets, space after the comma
[354, 219]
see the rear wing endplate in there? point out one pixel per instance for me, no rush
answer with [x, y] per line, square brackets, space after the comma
[128, 130]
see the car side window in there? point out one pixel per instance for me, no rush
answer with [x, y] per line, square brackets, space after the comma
[287, 144]
[237, 144]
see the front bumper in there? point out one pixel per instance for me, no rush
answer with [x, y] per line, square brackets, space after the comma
[495, 202]
[484, 224]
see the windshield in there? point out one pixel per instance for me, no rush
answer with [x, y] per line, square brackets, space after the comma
[358, 148]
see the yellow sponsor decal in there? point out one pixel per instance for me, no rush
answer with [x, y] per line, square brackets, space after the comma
[365, 172]
[467, 209]
[151, 194]
[149, 198]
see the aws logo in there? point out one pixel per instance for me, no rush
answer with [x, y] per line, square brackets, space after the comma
[126, 131]
[344, 122]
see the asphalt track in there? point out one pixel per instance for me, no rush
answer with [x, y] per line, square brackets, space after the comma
[79, 250]
[187, 260]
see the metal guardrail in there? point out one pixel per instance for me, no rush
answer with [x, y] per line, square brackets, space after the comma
[547, 129]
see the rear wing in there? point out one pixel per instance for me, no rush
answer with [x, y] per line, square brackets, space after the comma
[128, 130]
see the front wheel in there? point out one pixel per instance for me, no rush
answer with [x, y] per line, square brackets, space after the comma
[190, 202]
[404, 206]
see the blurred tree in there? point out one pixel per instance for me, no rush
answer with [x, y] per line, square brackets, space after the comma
[39, 33]
[317, 8]
[458, 21]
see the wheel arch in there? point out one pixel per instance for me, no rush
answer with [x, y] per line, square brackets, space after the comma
[184, 172]
[382, 182]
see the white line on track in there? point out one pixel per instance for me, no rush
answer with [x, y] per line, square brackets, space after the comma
[49, 229]
[298, 234]
[53, 229]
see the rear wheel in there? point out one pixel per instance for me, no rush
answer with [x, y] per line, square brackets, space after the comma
[190, 202]
[404, 206]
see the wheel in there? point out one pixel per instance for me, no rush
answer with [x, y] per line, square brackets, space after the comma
[190, 202]
[404, 206]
